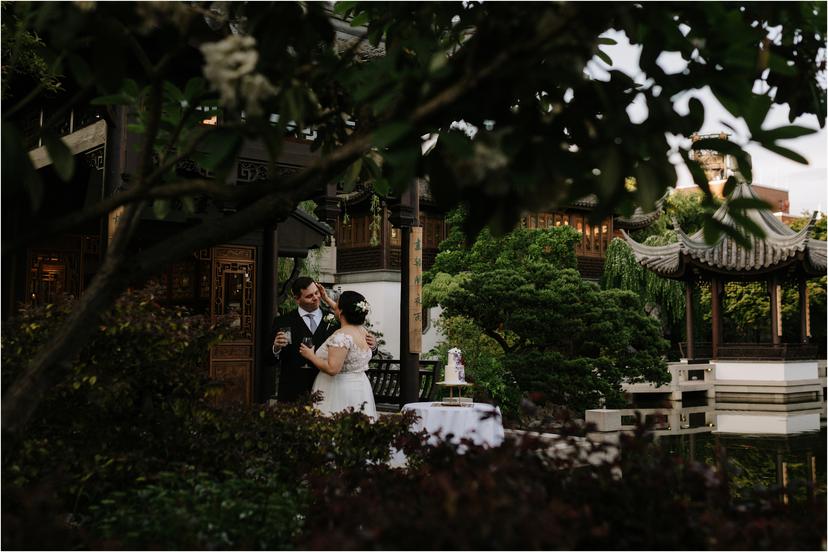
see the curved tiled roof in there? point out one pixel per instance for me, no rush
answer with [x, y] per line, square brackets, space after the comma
[780, 246]
[640, 219]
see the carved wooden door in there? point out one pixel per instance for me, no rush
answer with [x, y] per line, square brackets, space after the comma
[234, 293]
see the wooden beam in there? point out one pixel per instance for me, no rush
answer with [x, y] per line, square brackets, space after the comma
[81, 140]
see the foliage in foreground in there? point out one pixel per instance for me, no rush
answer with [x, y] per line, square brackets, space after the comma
[96, 471]
[519, 497]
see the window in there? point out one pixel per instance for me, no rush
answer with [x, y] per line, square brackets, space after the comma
[354, 234]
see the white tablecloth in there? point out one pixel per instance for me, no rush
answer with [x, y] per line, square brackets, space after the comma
[475, 422]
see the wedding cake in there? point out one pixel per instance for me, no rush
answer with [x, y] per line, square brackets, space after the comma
[454, 372]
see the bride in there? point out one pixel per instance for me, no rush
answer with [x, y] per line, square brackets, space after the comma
[343, 359]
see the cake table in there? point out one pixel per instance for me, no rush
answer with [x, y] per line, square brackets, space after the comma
[480, 422]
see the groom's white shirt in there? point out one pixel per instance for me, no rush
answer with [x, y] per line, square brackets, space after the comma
[317, 316]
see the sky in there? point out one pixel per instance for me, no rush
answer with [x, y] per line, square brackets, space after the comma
[807, 185]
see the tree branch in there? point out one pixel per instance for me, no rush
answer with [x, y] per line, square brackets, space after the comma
[500, 340]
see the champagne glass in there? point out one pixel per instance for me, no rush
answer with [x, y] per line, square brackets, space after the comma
[307, 342]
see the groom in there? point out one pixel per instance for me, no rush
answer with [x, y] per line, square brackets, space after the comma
[295, 377]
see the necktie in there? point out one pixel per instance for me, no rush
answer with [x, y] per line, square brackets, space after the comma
[311, 322]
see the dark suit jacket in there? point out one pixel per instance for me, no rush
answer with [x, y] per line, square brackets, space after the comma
[295, 381]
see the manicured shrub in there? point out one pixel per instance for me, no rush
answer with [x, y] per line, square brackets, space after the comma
[194, 510]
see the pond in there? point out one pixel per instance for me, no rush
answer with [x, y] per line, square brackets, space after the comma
[760, 460]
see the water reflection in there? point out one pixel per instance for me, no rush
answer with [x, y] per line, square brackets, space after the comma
[793, 461]
[772, 434]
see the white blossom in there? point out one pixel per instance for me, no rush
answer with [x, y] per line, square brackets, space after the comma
[230, 66]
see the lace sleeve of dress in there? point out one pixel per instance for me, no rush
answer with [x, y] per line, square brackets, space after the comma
[341, 339]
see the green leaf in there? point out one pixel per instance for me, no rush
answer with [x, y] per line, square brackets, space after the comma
[189, 204]
[604, 57]
[755, 110]
[390, 133]
[604, 40]
[195, 87]
[341, 7]
[737, 235]
[351, 175]
[699, 178]
[716, 144]
[696, 113]
[137, 128]
[360, 20]
[62, 159]
[744, 222]
[779, 65]
[712, 230]
[161, 208]
[786, 133]
[381, 186]
[173, 92]
[729, 186]
[742, 203]
[785, 152]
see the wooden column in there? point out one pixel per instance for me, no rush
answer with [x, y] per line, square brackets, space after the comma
[688, 318]
[776, 327]
[804, 312]
[265, 386]
[716, 316]
[405, 215]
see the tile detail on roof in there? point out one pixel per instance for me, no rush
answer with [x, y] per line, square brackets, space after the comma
[780, 246]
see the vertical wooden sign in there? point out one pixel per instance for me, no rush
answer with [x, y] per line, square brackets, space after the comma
[415, 289]
[113, 220]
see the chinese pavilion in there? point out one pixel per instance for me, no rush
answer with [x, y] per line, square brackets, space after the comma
[781, 255]
[759, 387]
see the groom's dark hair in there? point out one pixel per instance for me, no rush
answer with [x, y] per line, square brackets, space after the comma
[349, 305]
[299, 284]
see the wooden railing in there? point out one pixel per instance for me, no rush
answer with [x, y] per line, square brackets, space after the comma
[384, 375]
[753, 351]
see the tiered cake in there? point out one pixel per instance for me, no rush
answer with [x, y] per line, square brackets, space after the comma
[454, 373]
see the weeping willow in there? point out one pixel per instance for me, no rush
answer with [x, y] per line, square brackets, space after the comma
[622, 271]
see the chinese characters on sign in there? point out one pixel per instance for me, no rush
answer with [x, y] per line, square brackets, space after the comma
[113, 219]
[415, 288]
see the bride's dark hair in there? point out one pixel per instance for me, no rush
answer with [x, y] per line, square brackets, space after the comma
[354, 306]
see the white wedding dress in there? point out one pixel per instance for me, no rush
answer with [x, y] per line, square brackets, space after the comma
[350, 387]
